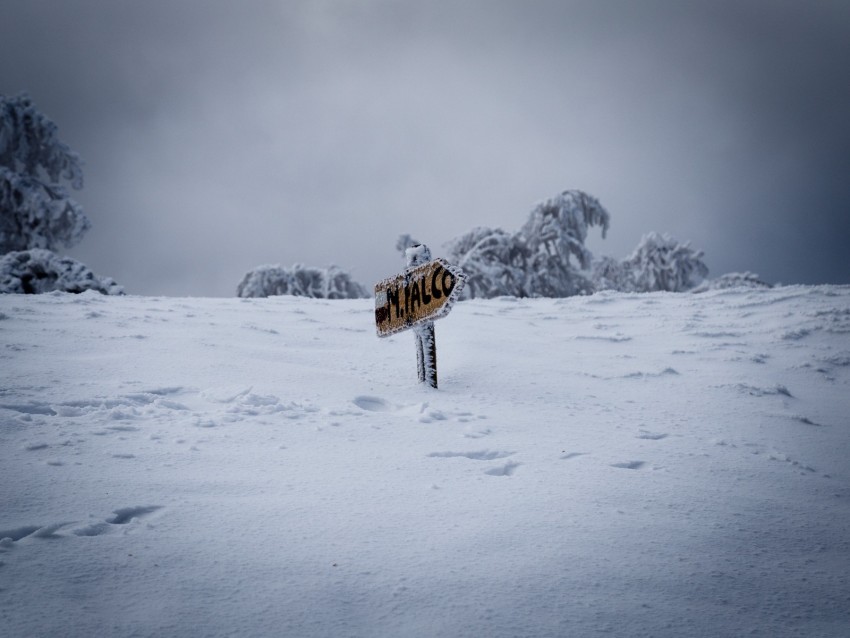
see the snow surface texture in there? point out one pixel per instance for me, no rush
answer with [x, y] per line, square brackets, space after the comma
[619, 464]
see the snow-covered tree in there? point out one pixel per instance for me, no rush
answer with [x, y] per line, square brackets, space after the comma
[733, 280]
[608, 273]
[555, 234]
[558, 226]
[662, 263]
[537, 261]
[38, 271]
[300, 281]
[35, 210]
[548, 257]
[494, 263]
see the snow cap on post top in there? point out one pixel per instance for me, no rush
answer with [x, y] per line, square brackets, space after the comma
[417, 254]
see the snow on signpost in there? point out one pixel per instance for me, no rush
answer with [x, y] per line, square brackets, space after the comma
[414, 299]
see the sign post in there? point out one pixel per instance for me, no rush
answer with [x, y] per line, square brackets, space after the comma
[414, 299]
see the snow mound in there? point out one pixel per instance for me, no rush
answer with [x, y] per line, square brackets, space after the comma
[39, 270]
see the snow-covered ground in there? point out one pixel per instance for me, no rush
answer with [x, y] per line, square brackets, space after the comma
[626, 465]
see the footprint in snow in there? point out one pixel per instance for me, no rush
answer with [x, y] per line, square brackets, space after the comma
[372, 404]
[121, 516]
[651, 436]
[483, 455]
[649, 375]
[419, 411]
[126, 514]
[504, 470]
[805, 420]
[571, 455]
[36, 446]
[10, 536]
[779, 456]
[479, 434]
[629, 465]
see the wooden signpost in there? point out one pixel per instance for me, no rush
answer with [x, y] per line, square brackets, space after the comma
[414, 299]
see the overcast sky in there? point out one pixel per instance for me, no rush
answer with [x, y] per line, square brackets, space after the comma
[218, 136]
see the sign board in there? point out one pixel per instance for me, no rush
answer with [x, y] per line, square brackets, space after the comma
[418, 295]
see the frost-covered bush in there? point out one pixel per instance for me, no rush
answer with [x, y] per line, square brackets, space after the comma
[545, 258]
[38, 271]
[35, 210]
[662, 263]
[608, 273]
[733, 280]
[493, 261]
[300, 281]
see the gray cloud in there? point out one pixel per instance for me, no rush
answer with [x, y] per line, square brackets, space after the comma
[219, 136]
